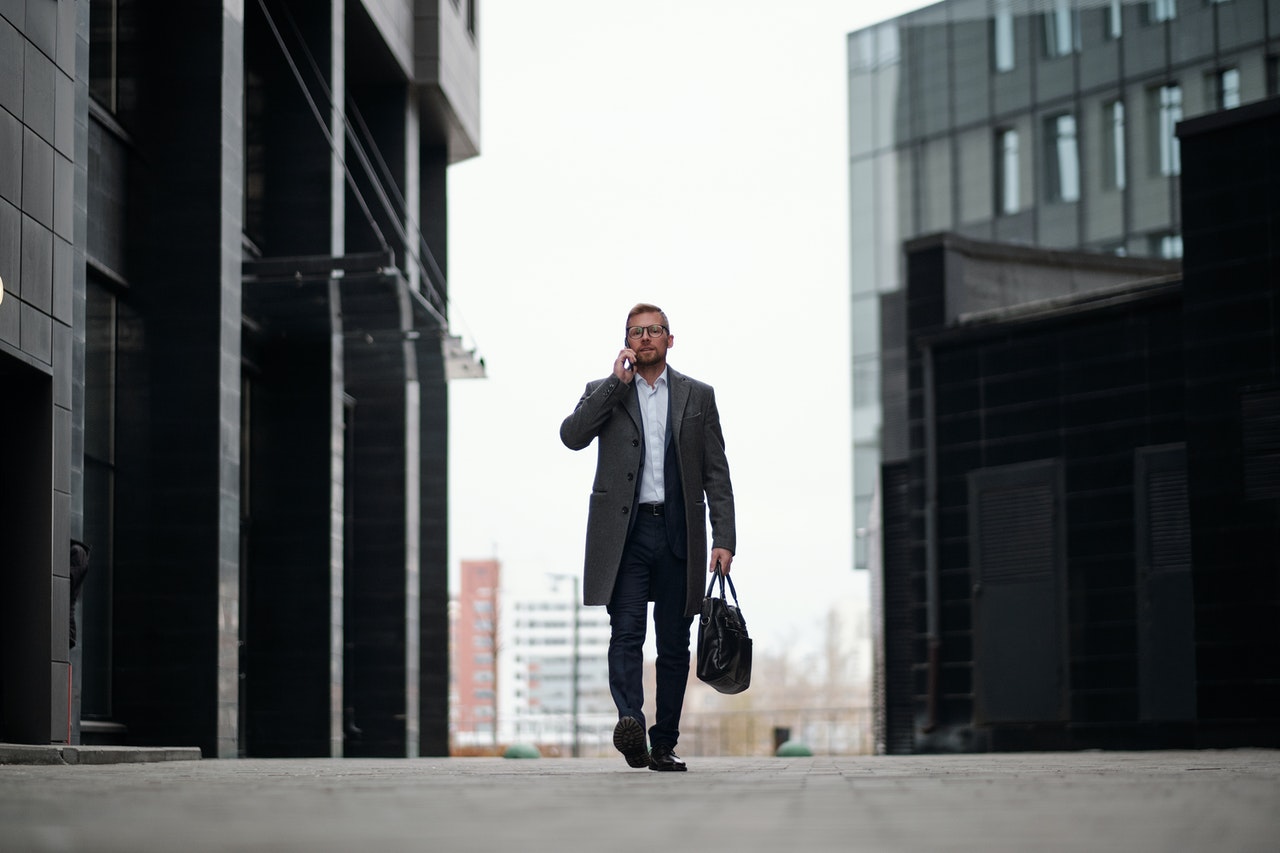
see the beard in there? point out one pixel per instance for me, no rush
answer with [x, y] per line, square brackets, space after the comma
[652, 356]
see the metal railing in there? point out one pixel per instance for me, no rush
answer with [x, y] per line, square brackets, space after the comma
[825, 731]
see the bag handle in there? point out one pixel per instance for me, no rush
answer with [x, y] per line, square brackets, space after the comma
[722, 577]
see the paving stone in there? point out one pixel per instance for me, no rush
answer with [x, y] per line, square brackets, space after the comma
[1147, 801]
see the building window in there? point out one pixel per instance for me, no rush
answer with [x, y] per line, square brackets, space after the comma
[108, 200]
[104, 51]
[1158, 11]
[1113, 145]
[1061, 32]
[1002, 35]
[1167, 245]
[866, 380]
[1225, 85]
[1273, 76]
[1115, 19]
[1166, 112]
[1062, 160]
[103, 330]
[1007, 194]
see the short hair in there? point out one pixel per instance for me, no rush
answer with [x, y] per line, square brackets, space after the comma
[646, 308]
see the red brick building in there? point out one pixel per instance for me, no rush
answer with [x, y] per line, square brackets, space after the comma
[474, 652]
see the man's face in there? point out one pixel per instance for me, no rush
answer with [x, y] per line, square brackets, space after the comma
[649, 348]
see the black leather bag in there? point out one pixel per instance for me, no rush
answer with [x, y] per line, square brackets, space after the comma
[724, 649]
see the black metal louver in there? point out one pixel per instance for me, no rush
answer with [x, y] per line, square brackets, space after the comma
[1260, 418]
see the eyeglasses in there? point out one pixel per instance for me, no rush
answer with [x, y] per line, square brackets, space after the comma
[654, 330]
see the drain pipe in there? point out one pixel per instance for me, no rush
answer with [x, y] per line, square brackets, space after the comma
[933, 632]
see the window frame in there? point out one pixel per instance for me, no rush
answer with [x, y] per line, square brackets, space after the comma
[1004, 46]
[1062, 158]
[1114, 23]
[1225, 98]
[1061, 28]
[1160, 11]
[1114, 145]
[1008, 190]
[1166, 111]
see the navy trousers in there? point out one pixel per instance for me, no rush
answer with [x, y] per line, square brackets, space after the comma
[649, 571]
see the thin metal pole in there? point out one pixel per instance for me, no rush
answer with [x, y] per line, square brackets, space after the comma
[576, 735]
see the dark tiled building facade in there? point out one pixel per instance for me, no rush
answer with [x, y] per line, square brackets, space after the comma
[1080, 546]
[222, 238]
[1231, 309]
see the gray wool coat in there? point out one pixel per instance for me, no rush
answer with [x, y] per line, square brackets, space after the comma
[609, 413]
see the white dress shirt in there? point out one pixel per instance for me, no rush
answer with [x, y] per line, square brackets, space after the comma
[653, 415]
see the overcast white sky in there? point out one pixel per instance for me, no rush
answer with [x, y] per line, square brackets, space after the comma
[691, 154]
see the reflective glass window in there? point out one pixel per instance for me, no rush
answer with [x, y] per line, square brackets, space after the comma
[866, 383]
[1115, 19]
[865, 331]
[1157, 11]
[1113, 145]
[1062, 159]
[1166, 113]
[1002, 36]
[1167, 245]
[1226, 88]
[104, 43]
[95, 619]
[1061, 32]
[1007, 189]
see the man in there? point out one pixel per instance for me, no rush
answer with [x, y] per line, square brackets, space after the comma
[660, 451]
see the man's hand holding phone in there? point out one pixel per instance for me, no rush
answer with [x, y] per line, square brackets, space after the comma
[624, 367]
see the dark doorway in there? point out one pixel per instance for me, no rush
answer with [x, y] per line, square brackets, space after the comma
[26, 569]
[1019, 636]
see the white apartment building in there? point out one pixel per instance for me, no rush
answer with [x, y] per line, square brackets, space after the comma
[536, 671]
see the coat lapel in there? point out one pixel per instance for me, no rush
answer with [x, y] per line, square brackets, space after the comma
[678, 389]
[632, 405]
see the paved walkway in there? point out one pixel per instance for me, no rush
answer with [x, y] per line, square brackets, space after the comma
[1124, 801]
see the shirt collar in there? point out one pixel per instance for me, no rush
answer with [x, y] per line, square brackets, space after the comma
[662, 380]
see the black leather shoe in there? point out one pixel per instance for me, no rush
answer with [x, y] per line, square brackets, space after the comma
[628, 738]
[665, 758]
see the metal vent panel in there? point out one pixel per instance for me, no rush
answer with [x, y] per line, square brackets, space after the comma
[1260, 418]
[1015, 527]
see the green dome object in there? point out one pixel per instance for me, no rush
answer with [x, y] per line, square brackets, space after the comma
[794, 749]
[522, 750]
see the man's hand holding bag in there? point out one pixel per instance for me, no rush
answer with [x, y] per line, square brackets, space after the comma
[724, 649]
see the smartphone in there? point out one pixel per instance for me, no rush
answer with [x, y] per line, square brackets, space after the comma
[626, 364]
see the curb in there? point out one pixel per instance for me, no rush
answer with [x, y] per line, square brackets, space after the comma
[56, 754]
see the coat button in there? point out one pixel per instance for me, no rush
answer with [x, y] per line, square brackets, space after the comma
[630, 477]
[626, 509]
[635, 442]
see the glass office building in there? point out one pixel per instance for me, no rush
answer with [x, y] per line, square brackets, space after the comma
[1037, 122]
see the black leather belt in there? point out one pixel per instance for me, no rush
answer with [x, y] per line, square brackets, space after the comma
[649, 509]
